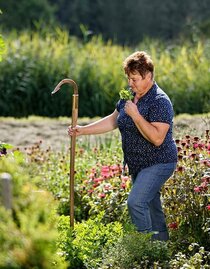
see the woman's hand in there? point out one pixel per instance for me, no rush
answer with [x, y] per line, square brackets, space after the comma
[131, 108]
[76, 130]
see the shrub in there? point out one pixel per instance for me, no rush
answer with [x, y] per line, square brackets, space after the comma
[82, 247]
[27, 231]
[136, 250]
[198, 258]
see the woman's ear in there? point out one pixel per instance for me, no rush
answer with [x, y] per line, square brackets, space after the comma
[148, 76]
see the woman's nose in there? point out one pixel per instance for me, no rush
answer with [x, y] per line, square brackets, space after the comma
[130, 82]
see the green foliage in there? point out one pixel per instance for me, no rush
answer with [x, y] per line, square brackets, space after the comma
[83, 246]
[29, 235]
[36, 62]
[136, 250]
[186, 194]
[126, 94]
[198, 258]
[2, 47]
[99, 186]
[85, 18]
[25, 14]
[27, 232]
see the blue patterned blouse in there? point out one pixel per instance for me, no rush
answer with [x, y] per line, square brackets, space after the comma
[139, 153]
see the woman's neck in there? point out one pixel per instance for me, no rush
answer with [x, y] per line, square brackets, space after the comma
[145, 90]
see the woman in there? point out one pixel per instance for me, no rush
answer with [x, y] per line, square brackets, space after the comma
[149, 150]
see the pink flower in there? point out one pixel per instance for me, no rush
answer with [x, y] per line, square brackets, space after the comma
[195, 145]
[91, 190]
[124, 178]
[92, 175]
[107, 187]
[98, 179]
[206, 179]
[105, 168]
[123, 185]
[101, 195]
[208, 207]
[95, 185]
[115, 168]
[105, 171]
[197, 189]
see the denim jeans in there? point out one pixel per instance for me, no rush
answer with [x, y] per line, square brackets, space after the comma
[144, 203]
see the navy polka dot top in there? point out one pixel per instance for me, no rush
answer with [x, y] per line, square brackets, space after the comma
[139, 153]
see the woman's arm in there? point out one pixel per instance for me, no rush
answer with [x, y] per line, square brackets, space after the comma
[154, 132]
[101, 126]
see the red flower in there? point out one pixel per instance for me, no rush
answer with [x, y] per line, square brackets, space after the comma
[173, 225]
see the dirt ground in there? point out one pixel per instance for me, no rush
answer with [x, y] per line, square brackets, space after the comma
[53, 132]
[26, 132]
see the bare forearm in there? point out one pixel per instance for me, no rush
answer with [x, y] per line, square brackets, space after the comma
[101, 126]
[146, 129]
[154, 132]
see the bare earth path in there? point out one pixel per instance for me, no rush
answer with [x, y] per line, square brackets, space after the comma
[25, 132]
[53, 132]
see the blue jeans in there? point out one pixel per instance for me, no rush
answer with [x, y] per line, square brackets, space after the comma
[144, 204]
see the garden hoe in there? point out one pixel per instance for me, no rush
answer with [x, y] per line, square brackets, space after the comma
[73, 142]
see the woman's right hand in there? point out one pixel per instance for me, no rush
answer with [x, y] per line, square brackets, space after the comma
[76, 130]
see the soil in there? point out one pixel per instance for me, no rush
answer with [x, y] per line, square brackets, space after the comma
[53, 132]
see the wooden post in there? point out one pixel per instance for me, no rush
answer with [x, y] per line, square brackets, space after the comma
[6, 190]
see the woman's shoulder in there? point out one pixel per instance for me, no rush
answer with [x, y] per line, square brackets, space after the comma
[120, 104]
[161, 95]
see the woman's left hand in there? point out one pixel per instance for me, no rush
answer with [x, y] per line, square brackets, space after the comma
[131, 108]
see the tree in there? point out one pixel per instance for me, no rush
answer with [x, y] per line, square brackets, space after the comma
[23, 14]
[2, 45]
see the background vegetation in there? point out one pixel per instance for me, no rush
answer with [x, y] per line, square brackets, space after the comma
[35, 62]
[87, 41]
[122, 21]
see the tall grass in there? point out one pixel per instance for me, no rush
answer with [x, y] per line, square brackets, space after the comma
[35, 62]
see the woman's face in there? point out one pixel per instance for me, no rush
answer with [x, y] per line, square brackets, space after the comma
[139, 84]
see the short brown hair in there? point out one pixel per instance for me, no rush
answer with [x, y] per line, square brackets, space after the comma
[140, 62]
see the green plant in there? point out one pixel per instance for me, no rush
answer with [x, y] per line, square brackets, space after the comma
[36, 61]
[198, 258]
[2, 46]
[27, 231]
[136, 250]
[82, 247]
[185, 195]
[126, 94]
